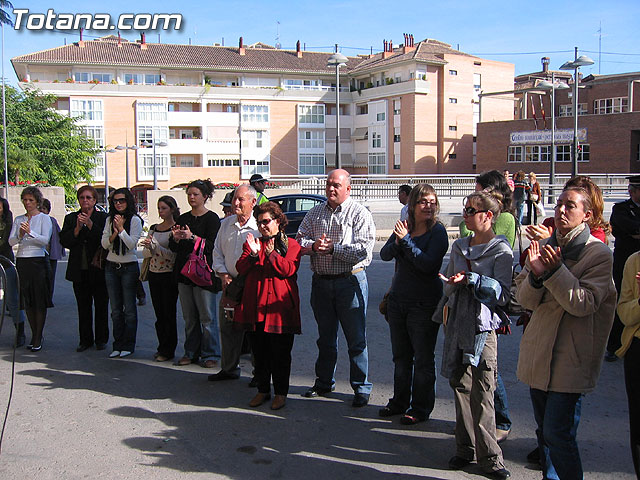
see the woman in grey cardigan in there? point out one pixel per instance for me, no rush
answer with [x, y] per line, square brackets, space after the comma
[478, 280]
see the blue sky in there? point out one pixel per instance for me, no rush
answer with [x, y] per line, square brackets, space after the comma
[509, 31]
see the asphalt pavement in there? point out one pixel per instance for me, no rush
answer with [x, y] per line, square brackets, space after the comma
[83, 415]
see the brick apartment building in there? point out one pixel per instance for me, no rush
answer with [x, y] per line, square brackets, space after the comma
[608, 125]
[226, 112]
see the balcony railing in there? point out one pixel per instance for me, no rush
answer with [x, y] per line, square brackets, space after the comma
[315, 88]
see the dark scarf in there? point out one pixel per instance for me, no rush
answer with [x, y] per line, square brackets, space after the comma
[118, 247]
[280, 242]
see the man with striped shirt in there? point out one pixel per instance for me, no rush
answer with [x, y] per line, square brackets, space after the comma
[339, 236]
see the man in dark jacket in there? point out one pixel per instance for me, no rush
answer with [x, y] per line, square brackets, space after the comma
[81, 234]
[625, 227]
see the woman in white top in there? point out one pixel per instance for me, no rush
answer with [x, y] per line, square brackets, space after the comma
[162, 281]
[32, 232]
[120, 238]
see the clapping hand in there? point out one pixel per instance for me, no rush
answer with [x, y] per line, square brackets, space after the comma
[254, 244]
[538, 232]
[324, 245]
[25, 228]
[118, 223]
[400, 230]
[84, 219]
[638, 279]
[545, 259]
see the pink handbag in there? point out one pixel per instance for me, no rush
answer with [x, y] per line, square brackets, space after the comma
[197, 269]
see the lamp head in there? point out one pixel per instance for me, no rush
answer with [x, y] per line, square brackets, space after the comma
[337, 60]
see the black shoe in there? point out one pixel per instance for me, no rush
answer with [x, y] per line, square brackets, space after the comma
[389, 411]
[610, 356]
[360, 400]
[101, 346]
[253, 383]
[222, 375]
[317, 391]
[534, 456]
[458, 463]
[501, 474]
[82, 348]
[38, 347]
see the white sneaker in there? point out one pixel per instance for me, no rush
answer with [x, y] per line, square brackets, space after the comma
[125, 353]
[114, 354]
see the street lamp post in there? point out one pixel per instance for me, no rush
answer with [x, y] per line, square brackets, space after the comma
[106, 174]
[126, 149]
[553, 86]
[337, 60]
[155, 144]
[579, 61]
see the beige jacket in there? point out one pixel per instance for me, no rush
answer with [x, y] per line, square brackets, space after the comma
[563, 346]
[628, 306]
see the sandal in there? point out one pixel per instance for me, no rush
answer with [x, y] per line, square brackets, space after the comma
[409, 420]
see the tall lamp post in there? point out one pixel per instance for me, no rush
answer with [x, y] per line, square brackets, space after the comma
[337, 60]
[552, 86]
[126, 149]
[155, 144]
[579, 61]
[106, 175]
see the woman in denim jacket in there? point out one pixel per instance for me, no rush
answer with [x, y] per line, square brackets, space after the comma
[478, 280]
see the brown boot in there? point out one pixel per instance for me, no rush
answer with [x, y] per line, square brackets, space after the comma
[259, 399]
[279, 401]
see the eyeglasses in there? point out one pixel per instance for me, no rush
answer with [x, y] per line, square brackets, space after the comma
[119, 200]
[424, 203]
[85, 197]
[265, 221]
[470, 211]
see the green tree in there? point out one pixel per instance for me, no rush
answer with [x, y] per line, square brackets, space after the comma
[45, 145]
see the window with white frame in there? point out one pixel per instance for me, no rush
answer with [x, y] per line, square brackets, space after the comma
[396, 134]
[380, 116]
[142, 78]
[611, 105]
[311, 114]
[151, 112]
[397, 104]
[583, 152]
[453, 100]
[253, 138]
[376, 140]
[255, 113]
[145, 166]
[396, 161]
[150, 134]
[536, 153]
[567, 110]
[87, 109]
[362, 109]
[377, 164]
[477, 81]
[252, 166]
[97, 135]
[86, 77]
[515, 153]
[453, 72]
[311, 139]
[311, 164]
[563, 153]
[223, 162]
[183, 161]
[453, 128]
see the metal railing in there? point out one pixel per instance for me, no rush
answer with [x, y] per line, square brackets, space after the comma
[365, 187]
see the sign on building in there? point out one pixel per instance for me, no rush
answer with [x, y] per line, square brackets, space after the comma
[563, 136]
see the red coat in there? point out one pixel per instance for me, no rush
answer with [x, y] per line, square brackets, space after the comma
[271, 290]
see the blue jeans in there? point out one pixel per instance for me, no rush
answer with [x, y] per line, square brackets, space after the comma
[202, 339]
[413, 342]
[341, 301]
[503, 420]
[558, 415]
[121, 285]
[520, 212]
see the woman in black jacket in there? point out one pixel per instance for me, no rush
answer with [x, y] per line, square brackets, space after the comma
[81, 233]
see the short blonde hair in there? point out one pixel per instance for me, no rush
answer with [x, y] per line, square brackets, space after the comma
[533, 175]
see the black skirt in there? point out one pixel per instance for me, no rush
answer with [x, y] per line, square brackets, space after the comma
[35, 284]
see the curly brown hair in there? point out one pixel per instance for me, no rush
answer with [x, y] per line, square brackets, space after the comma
[274, 210]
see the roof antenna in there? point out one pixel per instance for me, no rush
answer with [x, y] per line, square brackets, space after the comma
[278, 46]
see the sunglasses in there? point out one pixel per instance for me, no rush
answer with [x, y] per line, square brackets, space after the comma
[470, 211]
[119, 200]
[265, 221]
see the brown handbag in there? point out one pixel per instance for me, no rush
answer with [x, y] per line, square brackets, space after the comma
[99, 258]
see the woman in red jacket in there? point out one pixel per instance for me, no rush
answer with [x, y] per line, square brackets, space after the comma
[270, 307]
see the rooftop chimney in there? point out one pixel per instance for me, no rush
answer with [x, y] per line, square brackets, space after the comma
[545, 64]
[298, 51]
[388, 49]
[143, 42]
[119, 41]
[81, 41]
[241, 49]
[408, 43]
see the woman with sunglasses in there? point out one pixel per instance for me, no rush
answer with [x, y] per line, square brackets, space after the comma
[270, 306]
[202, 339]
[120, 237]
[478, 280]
[32, 233]
[418, 246]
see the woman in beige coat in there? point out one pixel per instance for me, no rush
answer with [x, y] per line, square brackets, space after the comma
[567, 283]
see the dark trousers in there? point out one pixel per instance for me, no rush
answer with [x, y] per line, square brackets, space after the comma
[531, 211]
[614, 342]
[164, 296]
[91, 293]
[272, 355]
[632, 382]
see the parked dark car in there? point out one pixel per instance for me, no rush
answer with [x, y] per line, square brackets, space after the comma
[295, 206]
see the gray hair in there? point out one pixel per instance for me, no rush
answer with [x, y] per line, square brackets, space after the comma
[253, 193]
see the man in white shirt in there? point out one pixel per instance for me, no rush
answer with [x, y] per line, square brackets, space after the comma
[403, 198]
[226, 252]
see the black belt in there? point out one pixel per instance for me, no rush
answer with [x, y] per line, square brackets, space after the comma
[340, 275]
[117, 265]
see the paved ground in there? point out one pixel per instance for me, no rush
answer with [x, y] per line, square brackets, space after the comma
[82, 415]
